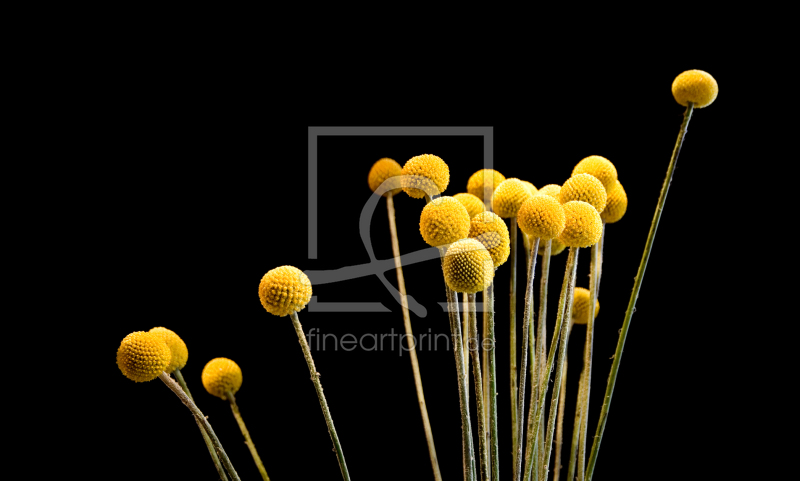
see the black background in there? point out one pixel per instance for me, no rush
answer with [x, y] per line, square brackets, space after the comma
[210, 195]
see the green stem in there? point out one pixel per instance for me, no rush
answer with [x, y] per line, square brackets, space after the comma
[401, 285]
[560, 423]
[198, 415]
[542, 348]
[594, 277]
[526, 339]
[247, 440]
[485, 365]
[637, 285]
[512, 329]
[209, 445]
[474, 350]
[322, 402]
[576, 433]
[465, 330]
[466, 428]
[493, 445]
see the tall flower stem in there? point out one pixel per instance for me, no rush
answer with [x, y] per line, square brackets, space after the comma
[247, 440]
[493, 444]
[466, 428]
[637, 285]
[562, 324]
[474, 350]
[541, 349]
[560, 423]
[211, 450]
[512, 329]
[594, 278]
[485, 366]
[322, 402]
[401, 285]
[465, 330]
[198, 415]
[526, 339]
[576, 434]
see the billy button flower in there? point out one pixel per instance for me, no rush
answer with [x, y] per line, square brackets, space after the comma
[284, 291]
[472, 203]
[384, 175]
[425, 176]
[180, 355]
[693, 88]
[143, 356]
[600, 168]
[483, 183]
[223, 378]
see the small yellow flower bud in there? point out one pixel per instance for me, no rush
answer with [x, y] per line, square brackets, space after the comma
[382, 170]
[221, 375]
[695, 86]
[425, 174]
[284, 290]
[443, 221]
[142, 356]
[468, 267]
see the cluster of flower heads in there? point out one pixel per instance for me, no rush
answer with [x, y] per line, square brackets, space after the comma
[142, 356]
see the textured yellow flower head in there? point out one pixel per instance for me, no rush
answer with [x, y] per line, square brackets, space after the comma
[583, 227]
[443, 221]
[556, 248]
[616, 206]
[580, 306]
[599, 167]
[531, 188]
[425, 174]
[472, 203]
[382, 170]
[509, 197]
[284, 290]
[584, 187]
[468, 266]
[550, 189]
[491, 231]
[695, 86]
[541, 216]
[484, 181]
[221, 375]
[142, 356]
[180, 354]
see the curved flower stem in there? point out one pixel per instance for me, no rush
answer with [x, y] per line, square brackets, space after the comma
[526, 340]
[211, 450]
[322, 402]
[493, 445]
[401, 284]
[474, 350]
[594, 277]
[562, 324]
[198, 415]
[637, 285]
[542, 333]
[247, 440]
[512, 329]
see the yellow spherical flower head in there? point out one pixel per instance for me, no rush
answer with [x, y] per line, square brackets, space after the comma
[484, 181]
[509, 197]
[541, 216]
[180, 354]
[583, 227]
[550, 189]
[221, 375]
[142, 356]
[586, 188]
[425, 174]
[491, 231]
[580, 306]
[468, 266]
[531, 188]
[382, 170]
[473, 204]
[556, 248]
[616, 206]
[599, 167]
[443, 221]
[695, 86]
[284, 290]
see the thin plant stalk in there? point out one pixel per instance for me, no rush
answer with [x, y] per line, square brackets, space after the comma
[211, 450]
[466, 428]
[485, 366]
[576, 434]
[201, 417]
[247, 440]
[562, 356]
[560, 423]
[493, 444]
[587, 356]
[320, 395]
[542, 333]
[527, 315]
[474, 351]
[637, 285]
[562, 323]
[401, 285]
[465, 330]
[512, 329]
